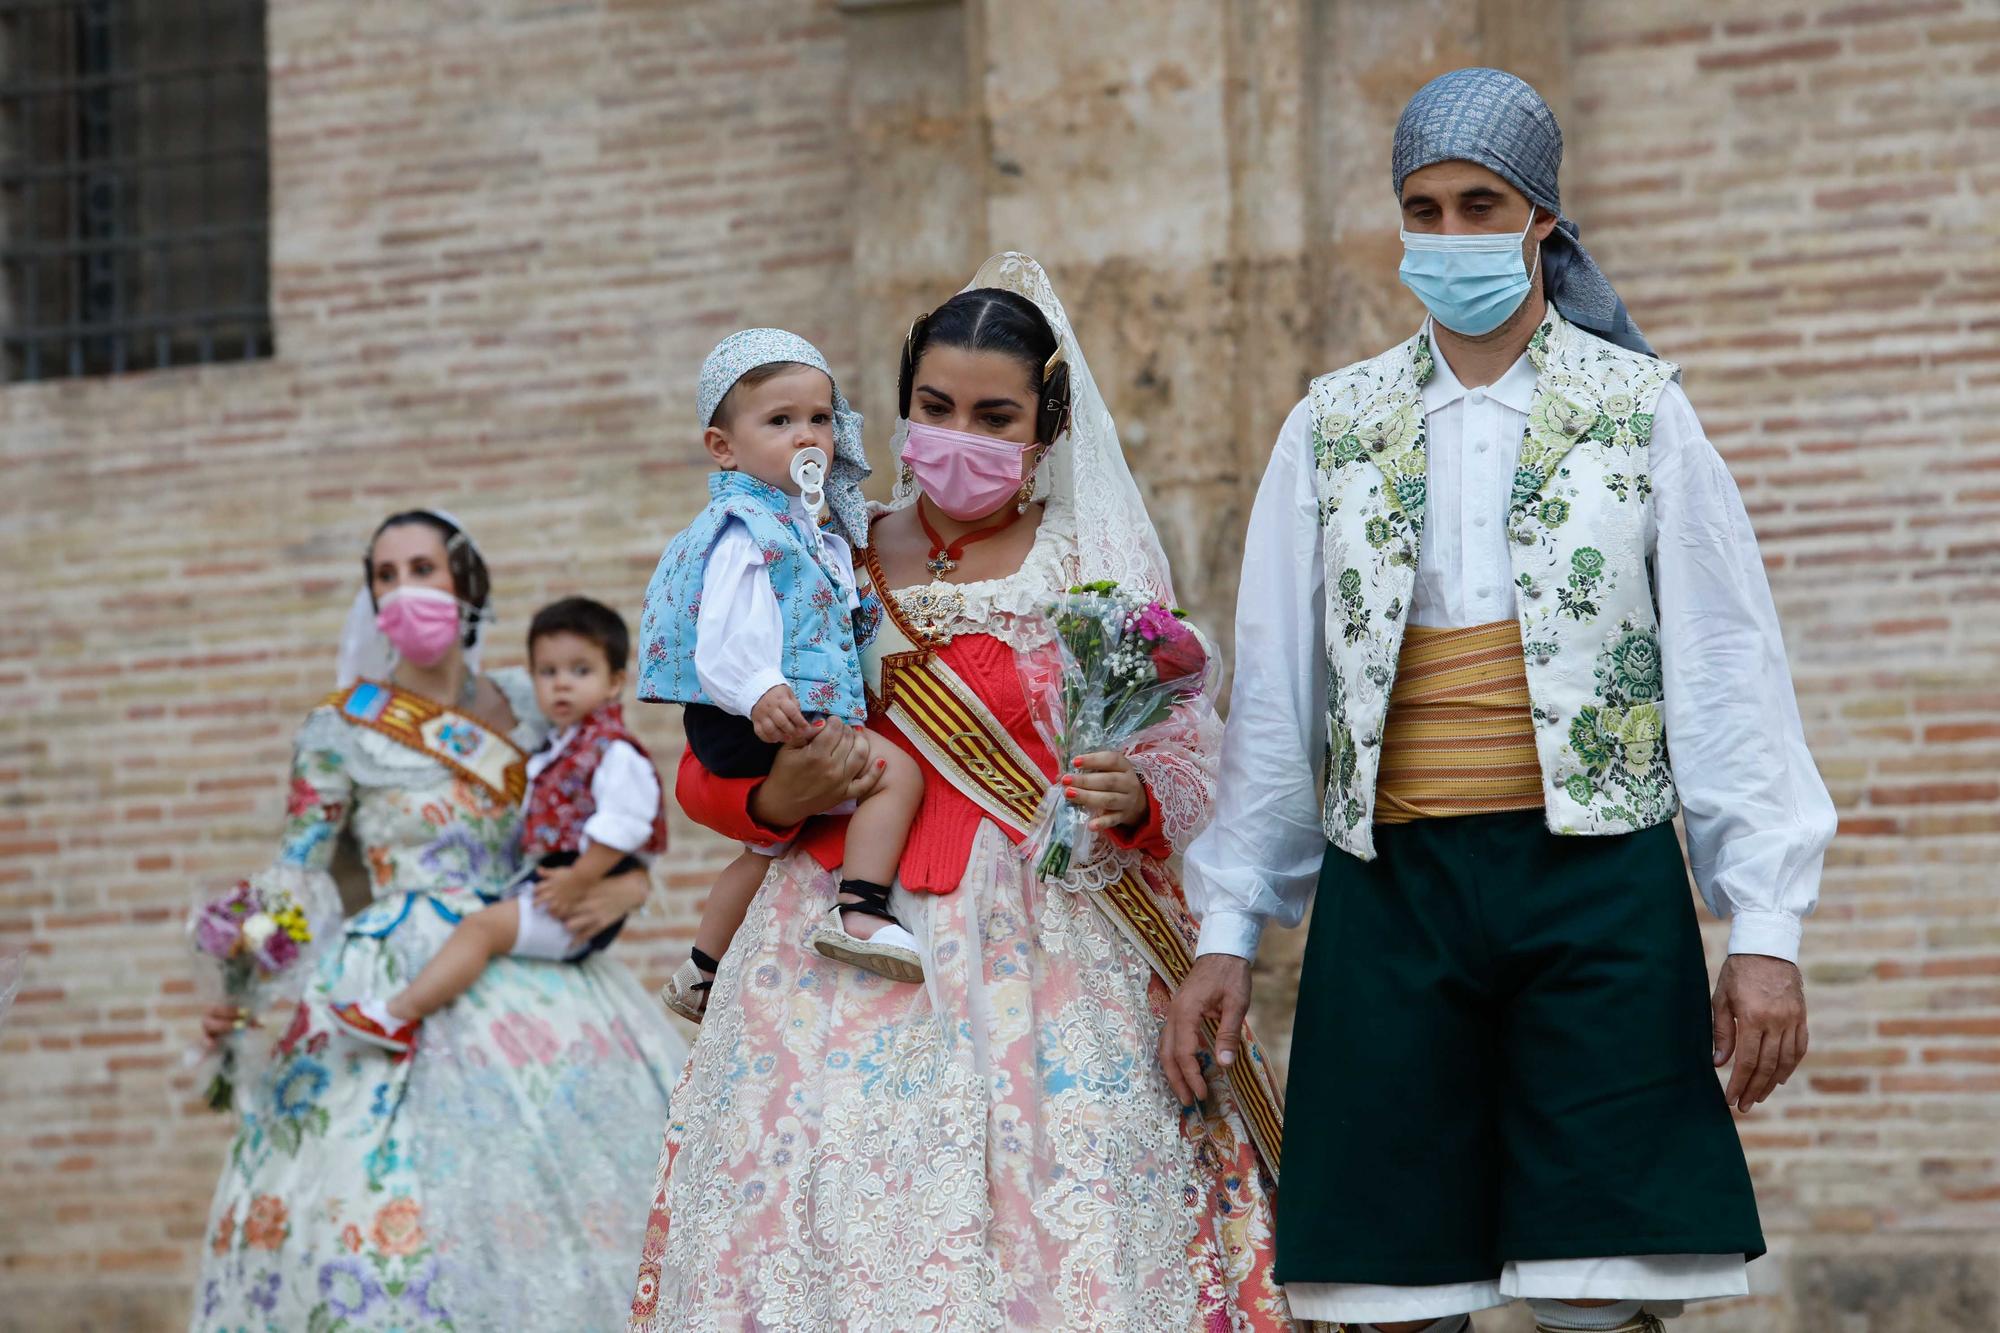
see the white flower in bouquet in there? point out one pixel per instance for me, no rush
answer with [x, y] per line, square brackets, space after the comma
[259, 929]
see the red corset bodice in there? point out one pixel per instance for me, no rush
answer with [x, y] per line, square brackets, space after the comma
[941, 839]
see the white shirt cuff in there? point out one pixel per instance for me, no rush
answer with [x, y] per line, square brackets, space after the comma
[1774, 934]
[1230, 932]
[754, 689]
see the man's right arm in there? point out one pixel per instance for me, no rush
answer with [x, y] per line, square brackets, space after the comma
[1260, 858]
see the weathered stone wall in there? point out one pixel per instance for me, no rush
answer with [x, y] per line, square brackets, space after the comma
[506, 232]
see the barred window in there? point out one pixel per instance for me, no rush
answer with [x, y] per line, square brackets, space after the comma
[134, 185]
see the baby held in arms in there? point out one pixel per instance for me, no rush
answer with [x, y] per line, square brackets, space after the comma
[593, 810]
[754, 621]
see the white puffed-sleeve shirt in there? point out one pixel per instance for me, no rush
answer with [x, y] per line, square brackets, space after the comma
[740, 628]
[1758, 816]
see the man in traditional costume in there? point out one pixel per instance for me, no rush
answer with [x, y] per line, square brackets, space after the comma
[1502, 614]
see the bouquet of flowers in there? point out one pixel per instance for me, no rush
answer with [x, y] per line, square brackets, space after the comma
[256, 935]
[1121, 664]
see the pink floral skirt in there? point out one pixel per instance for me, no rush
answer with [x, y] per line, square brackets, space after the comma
[993, 1148]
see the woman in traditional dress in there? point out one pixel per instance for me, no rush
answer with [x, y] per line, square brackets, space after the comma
[486, 1181]
[997, 1146]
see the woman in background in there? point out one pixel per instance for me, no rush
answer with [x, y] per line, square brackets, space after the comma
[485, 1181]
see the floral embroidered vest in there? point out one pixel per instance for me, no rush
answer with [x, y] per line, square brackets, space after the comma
[560, 802]
[821, 660]
[1578, 524]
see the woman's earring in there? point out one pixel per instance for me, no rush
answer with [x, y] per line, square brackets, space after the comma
[1026, 495]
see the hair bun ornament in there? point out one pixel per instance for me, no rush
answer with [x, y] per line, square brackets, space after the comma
[1052, 414]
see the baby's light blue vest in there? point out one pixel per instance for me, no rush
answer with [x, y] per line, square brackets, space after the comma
[821, 659]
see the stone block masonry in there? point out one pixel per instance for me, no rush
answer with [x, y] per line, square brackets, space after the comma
[505, 232]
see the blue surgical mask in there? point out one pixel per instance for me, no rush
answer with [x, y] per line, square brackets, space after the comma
[1470, 283]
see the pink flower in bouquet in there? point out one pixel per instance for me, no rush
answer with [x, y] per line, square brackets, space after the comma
[216, 931]
[1177, 650]
[278, 952]
[1152, 622]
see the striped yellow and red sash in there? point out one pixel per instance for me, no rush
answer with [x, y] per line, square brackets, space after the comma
[463, 744]
[1460, 737]
[945, 719]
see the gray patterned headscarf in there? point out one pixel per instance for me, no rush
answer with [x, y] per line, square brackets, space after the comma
[738, 355]
[1490, 117]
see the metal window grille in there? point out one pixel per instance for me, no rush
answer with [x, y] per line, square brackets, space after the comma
[134, 185]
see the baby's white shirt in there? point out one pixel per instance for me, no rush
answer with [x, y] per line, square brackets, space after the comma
[740, 628]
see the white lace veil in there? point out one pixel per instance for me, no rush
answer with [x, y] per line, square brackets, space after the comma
[1085, 473]
[365, 652]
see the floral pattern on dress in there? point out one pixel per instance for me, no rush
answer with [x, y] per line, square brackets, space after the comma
[360, 1190]
[1579, 524]
[995, 1148]
[842, 1155]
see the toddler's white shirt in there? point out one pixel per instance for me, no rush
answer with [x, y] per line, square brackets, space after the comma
[740, 628]
[625, 788]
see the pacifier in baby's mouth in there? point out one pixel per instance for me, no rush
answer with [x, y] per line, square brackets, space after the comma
[809, 473]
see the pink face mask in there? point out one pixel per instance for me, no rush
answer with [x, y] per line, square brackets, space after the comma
[967, 476]
[422, 623]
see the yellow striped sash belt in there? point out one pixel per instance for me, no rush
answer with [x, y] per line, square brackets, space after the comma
[1460, 739]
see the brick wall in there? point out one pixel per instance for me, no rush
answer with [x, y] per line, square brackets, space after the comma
[1797, 202]
[504, 236]
[505, 233]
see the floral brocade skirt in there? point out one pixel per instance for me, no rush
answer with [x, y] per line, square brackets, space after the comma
[494, 1179]
[993, 1148]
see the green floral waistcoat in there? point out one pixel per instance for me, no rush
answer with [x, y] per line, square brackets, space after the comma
[1579, 522]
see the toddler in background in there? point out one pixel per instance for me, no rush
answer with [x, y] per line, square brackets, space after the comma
[593, 810]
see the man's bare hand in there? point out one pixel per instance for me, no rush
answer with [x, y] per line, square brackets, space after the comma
[1760, 1022]
[1219, 988]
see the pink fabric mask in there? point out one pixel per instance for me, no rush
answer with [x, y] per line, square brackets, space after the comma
[422, 623]
[968, 476]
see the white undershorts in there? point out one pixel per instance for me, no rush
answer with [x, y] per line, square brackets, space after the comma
[539, 935]
[1662, 1282]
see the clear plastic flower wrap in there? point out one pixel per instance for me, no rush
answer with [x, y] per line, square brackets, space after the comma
[1118, 666]
[260, 935]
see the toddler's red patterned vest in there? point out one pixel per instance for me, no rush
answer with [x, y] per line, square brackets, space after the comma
[559, 801]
